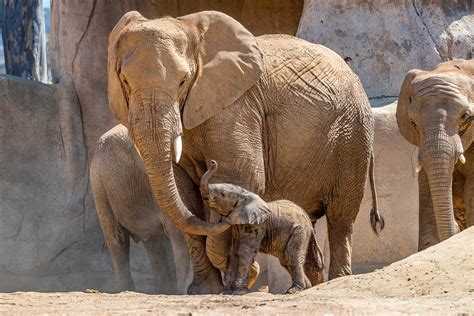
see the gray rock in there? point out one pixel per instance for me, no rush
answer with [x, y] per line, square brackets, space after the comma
[382, 40]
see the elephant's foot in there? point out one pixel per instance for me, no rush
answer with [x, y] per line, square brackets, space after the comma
[211, 283]
[125, 284]
[227, 291]
[240, 291]
[295, 288]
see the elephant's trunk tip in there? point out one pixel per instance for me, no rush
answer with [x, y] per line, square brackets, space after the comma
[205, 179]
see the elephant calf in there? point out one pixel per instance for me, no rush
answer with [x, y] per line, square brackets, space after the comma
[282, 229]
[126, 208]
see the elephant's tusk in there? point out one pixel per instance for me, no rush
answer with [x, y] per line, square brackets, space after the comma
[462, 159]
[418, 166]
[138, 152]
[418, 161]
[178, 148]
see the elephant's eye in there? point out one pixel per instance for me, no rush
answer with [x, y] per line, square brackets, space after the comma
[182, 83]
[414, 125]
[465, 117]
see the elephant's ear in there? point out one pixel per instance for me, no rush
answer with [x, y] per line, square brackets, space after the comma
[250, 211]
[404, 107]
[116, 93]
[230, 63]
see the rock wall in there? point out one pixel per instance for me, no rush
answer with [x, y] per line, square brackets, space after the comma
[50, 239]
[382, 40]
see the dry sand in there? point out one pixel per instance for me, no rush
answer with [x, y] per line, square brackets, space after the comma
[439, 280]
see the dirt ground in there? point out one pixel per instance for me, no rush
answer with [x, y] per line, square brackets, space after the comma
[439, 280]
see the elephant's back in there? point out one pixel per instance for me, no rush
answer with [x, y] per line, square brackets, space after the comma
[296, 65]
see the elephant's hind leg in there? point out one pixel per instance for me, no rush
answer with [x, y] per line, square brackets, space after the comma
[340, 247]
[341, 215]
[295, 255]
[160, 254]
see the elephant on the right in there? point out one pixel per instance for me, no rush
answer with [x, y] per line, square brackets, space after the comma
[435, 112]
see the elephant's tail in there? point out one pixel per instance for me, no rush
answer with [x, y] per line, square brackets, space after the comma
[375, 216]
[314, 263]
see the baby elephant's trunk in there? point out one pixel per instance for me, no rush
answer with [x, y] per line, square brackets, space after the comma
[314, 263]
[204, 186]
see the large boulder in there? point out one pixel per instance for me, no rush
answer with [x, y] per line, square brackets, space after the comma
[382, 40]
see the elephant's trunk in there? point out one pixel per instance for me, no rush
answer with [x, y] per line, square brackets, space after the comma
[152, 129]
[438, 155]
[204, 186]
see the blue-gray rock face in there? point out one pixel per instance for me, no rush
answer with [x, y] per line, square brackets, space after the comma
[382, 40]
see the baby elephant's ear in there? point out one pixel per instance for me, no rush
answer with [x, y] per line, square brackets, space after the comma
[251, 211]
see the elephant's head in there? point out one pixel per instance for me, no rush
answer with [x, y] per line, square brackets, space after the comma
[168, 72]
[435, 111]
[237, 204]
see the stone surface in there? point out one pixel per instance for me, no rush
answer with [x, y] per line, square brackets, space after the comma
[49, 239]
[382, 40]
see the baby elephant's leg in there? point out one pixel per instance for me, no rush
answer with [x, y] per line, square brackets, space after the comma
[250, 238]
[295, 255]
[232, 263]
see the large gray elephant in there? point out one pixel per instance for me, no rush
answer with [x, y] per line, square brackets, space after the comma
[285, 118]
[435, 111]
[126, 209]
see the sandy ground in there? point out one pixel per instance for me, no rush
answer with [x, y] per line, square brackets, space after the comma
[439, 280]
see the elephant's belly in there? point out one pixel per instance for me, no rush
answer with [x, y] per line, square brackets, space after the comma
[141, 220]
[299, 160]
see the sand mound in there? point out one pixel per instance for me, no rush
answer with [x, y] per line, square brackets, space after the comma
[437, 280]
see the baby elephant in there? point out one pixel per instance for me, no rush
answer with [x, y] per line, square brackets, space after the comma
[280, 228]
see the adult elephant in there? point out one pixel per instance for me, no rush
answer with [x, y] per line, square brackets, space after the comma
[435, 111]
[283, 117]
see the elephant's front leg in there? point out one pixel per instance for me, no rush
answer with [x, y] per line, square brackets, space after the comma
[427, 235]
[232, 264]
[250, 238]
[207, 279]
